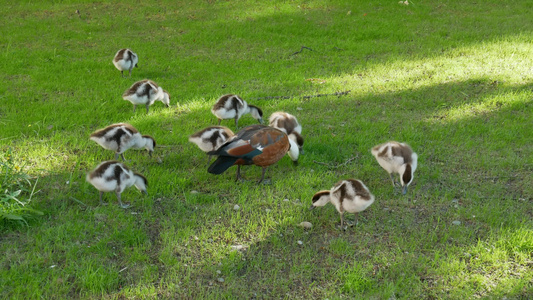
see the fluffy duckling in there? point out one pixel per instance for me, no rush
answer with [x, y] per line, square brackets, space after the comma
[258, 145]
[124, 60]
[398, 158]
[112, 176]
[146, 92]
[233, 107]
[289, 124]
[121, 137]
[349, 195]
[210, 138]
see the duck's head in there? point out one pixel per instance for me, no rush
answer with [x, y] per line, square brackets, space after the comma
[298, 139]
[256, 113]
[406, 176]
[166, 98]
[294, 151]
[320, 198]
[149, 144]
[141, 183]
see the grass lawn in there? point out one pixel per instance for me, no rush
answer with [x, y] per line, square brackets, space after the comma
[454, 79]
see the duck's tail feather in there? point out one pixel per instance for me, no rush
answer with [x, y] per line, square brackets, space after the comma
[221, 164]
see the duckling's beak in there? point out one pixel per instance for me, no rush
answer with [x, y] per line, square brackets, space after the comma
[312, 207]
[145, 192]
[150, 153]
[404, 190]
[261, 121]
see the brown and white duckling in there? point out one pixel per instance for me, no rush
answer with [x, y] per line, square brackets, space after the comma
[113, 176]
[146, 92]
[125, 59]
[289, 124]
[121, 137]
[210, 138]
[233, 107]
[349, 195]
[398, 158]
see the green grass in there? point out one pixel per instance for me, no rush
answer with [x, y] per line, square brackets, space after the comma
[451, 78]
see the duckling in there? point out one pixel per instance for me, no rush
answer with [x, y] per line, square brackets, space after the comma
[233, 107]
[122, 136]
[125, 59]
[349, 195]
[146, 92]
[114, 176]
[210, 138]
[258, 145]
[398, 158]
[289, 124]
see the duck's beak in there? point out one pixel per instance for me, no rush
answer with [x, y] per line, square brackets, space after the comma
[312, 207]
[261, 121]
[145, 192]
[404, 190]
[295, 162]
[150, 153]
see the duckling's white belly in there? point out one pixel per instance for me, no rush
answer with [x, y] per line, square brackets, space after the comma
[135, 99]
[357, 205]
[103, 185]
[225, 113]
[204, 146]
[123, 64]
[106, 144]
[391, 165]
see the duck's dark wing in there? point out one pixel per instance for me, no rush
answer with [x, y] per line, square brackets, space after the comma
[242, 148]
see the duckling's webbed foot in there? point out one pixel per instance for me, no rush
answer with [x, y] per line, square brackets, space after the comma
[343, 227]
[404, 190]
[265, 181]
[349, 223]
[123, 205]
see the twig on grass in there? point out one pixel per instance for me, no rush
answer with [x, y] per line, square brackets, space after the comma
[335, 166]
[303, 97]
[301, 49]
[322, 95]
